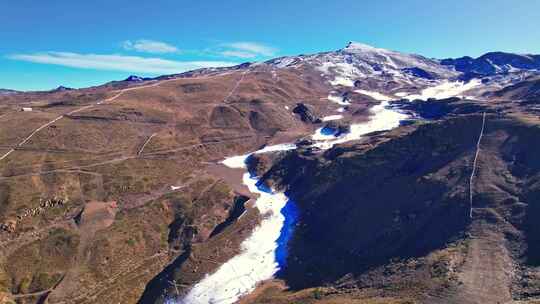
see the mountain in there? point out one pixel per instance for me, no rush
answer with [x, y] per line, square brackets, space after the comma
[494, 63]
[361, 65]
[119, 193]
[61, 89]
[366, 67]
[403, 208]
[135, 78]
[7, 92]
[527, 90]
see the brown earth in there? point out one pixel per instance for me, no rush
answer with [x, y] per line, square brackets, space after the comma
[129, 143]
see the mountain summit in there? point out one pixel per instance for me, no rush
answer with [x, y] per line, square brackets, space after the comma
[494, 62]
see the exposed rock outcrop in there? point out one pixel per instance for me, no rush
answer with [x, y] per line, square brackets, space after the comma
[306, 114]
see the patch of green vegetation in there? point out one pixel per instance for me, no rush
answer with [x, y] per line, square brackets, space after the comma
[31, 264]
[24, 285]
[222, 188]
[163, 236]
[131, 242]
[43, 281]
[317, 294]
[439, 269]
[60, 241]
[5, 283]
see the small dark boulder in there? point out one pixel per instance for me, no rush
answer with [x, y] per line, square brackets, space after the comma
[259, 163]
[306, 114]
[304, 142]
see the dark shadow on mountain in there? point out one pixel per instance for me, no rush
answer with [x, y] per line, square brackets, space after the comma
[156, 289]
[403, 199]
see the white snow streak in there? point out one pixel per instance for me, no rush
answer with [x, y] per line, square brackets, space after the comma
[343, 81]
[382, 119]
[238, 162]
[257, 261]
[340, 100]
[332, 117]
[240, 275]
[471, 180]
[375, 95]
[445, 89]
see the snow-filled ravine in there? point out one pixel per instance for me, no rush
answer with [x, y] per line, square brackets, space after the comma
[264, 253]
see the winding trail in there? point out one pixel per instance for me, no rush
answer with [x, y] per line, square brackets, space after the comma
[471, 180]
[145, 143]
[120, 92]
[237, 84]
[120, 158]
[25, 140]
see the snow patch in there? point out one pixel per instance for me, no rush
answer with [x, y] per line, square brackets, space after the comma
[236, 162]
[332, 117]
[401, 94]
[286, 61]
[383, 118]
[276, 148]
[375, 95]
[257, 261]
[445, 89]
[362, 47]
[258, 258]
[239, 161]
[340, 100]
[343, 81]
[325, 67]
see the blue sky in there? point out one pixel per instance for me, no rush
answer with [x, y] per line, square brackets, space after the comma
[44, 44]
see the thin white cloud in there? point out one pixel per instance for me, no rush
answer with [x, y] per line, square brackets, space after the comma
[149, 46]
[238, 54]
[117, 62]
[247, 50]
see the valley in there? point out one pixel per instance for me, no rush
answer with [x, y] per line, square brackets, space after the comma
[361, 175]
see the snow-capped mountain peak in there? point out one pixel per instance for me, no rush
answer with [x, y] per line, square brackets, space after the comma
[356, 47]
[402, 74]
[359, 64]
[494, 63]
